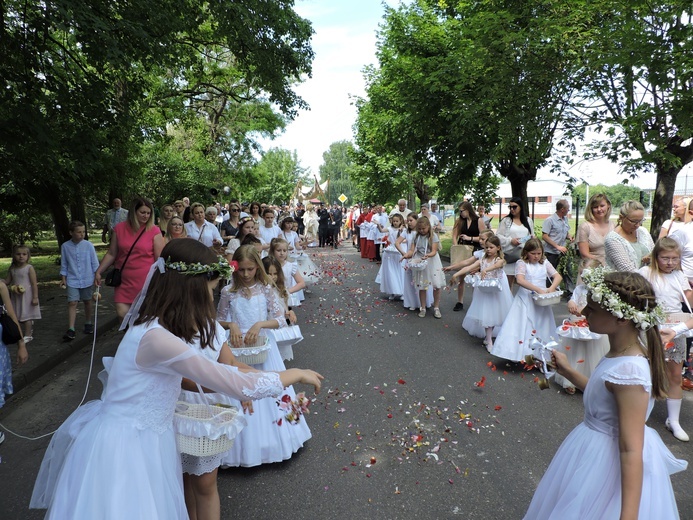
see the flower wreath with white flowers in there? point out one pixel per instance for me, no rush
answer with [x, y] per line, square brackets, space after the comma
[223, 267]
[609, 300]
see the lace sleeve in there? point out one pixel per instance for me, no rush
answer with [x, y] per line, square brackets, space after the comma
[520, 268]
[631, 371]
[617, 256]
[550, 269]
[160, 351]
[275, 306]
[223, 313]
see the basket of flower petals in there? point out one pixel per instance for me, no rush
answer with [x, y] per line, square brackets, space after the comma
[578, 329]
[253, 354]
[543, 300]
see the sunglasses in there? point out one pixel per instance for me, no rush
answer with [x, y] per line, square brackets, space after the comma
[235, 210]
[513, 206]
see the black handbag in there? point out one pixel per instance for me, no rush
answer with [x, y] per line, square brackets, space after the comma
[10, 330]
[114, 277]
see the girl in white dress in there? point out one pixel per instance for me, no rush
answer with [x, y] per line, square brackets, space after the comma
[489, 309]
[391, 272]
[293, 280]
[246, 307]
[310, 221]
[410, 297]
[525, 319]
[425, 248]
[286, 337]
[612, 466]
[306, 266]
[116, 457]
[672, 289]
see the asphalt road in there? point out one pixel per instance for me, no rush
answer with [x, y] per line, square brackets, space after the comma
[400, 430]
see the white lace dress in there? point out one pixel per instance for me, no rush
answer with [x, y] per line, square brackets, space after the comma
[116, 457]
[524, 319]
[583, 481]
[265, 439]
[391, 273]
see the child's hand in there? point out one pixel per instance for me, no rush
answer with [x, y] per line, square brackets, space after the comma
[482, 274]
[310, 377]
[235, 335]
[291, 316]
[561, 361]
[252, 334]
[573, 308]
[247, 407]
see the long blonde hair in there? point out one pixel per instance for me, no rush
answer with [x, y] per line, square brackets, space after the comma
[249, 252]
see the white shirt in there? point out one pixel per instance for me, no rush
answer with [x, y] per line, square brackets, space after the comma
[668, 288]
[684, 237]
[268, 234]
[205, 234]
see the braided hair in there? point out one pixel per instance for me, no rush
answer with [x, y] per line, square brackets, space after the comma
[635, 290]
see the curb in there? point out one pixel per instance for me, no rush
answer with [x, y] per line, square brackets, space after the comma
[60, 353]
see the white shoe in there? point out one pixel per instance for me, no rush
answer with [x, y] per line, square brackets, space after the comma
[412, 308]
[676, 429]
[422, 312]
[27, 339]
[436, 313]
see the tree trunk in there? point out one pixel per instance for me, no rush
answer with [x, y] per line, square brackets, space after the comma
[77, 211]
[60, 218]
[519, 176]
[663, 197]
[421, 190]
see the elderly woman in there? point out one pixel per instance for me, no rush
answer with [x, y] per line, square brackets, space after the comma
[681, 217]
[201, 229]
[135, 246]
[513, 231]
[628, 246]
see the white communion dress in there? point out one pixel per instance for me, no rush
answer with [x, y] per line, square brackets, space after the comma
[488, 309]
[116, 457]
[268, 437]
[583, 481]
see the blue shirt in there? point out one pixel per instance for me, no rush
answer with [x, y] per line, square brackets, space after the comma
[78, 263]
[557, 228]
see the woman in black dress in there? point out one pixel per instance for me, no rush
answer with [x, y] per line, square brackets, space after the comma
[466, 233]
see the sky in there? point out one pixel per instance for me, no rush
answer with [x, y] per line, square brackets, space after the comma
[344, 43]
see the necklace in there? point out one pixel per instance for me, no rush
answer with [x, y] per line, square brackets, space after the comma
[626, 349]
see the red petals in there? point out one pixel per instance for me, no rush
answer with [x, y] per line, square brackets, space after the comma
[481, 382]
[567, 347]
[580, 361]
[497, 407]
[401, 381]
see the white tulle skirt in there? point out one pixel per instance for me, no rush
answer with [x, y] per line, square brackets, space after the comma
[488, 310]
[307, 268]
[410, 294]
[391, 273]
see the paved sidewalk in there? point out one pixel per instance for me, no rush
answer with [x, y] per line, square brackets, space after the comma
[48, 349]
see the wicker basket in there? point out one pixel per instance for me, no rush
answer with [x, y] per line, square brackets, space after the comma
[202, 413]
[418, 266]
[544, 300]
[254, 354]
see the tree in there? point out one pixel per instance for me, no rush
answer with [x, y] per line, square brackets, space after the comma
[618, 194]
[462, 88]
[81, 79]
[275, 176]
[638, 90]
[338, 164]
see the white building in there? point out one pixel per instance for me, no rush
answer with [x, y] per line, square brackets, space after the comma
[542, 196]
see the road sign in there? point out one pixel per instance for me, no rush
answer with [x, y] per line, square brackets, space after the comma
[342, 198]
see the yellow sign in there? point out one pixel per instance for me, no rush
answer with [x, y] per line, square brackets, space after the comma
[342, 198]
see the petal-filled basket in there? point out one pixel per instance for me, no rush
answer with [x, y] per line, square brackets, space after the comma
[254, 354]
[489, 285]
[543, 300]
[203, 430]
[418, 266]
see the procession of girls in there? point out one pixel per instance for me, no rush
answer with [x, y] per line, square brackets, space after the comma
[509, 323]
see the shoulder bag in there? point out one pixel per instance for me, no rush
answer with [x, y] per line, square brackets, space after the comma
[114, 277]
[10, 330]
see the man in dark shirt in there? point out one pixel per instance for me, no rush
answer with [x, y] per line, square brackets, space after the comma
[336, 224]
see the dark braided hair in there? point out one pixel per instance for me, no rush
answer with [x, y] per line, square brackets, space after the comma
[635, 290]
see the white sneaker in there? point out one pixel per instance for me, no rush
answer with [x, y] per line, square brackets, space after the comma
[436, 313]
[422, 312]
[27, 339]
[676, 429]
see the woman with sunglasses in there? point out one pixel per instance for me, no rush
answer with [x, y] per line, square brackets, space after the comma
[229, 227]
[513, 231]
[628, 246]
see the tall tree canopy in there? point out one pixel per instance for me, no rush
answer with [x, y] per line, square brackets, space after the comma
[90, 86]
[337, 167]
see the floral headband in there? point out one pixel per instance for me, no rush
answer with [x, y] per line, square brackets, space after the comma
[609, 300]
[222, 267]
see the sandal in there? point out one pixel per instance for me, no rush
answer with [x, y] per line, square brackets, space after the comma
[570, 390]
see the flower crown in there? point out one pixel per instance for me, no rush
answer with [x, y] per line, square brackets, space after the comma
[609, 300]
[223, 267]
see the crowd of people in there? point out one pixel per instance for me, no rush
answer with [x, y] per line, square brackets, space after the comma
[262, 252]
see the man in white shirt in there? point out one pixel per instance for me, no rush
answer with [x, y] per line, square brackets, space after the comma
[114, 216]
[269, 230]
[438, 214]
[435, 222]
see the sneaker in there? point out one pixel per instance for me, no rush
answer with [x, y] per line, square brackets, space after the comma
[27, 339]
[458, 307]
[69, 335]
[422, 312]
[436, 313]
[88, 328]
[676, 429]
[412, 308]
